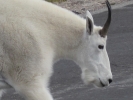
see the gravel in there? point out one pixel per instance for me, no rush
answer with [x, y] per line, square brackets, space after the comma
[81, 6]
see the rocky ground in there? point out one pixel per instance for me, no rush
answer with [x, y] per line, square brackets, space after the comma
[80, 6]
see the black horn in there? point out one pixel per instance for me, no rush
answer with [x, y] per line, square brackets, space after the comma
[103, 32]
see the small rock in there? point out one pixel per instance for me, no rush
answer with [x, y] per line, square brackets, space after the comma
[113, 3]
[83, 9]
[76, 12]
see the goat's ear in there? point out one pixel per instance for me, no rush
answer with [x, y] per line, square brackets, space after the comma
[89, 23]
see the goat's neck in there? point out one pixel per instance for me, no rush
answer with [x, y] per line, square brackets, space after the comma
[69, 41]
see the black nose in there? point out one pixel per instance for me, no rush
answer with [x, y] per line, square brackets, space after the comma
[110, 81]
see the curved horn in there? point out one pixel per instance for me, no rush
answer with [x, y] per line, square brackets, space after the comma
[103, 32]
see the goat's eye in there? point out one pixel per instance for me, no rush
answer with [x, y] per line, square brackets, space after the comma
[101, 47]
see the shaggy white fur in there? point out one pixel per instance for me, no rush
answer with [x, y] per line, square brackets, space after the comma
[34, 34]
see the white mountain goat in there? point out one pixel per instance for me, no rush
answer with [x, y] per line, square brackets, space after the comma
[34, 34]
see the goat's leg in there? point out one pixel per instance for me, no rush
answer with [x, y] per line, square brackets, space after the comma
[30, 78]
[34, 90]
[1, 93]
[3, 87]
[37, 94]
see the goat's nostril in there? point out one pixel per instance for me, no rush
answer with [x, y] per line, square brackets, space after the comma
[110, 81]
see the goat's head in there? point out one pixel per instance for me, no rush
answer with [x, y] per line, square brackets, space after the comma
[94, 59]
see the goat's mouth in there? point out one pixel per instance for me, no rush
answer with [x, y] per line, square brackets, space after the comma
[102, 84]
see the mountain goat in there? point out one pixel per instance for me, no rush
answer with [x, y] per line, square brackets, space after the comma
[34, 34]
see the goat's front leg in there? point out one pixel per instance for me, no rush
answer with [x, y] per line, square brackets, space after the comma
[34, 90]
[3, 87]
